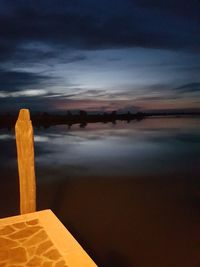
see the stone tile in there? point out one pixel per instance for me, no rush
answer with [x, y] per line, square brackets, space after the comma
[27, 244]
[61, 264]
[25, 233]
[20, 225]
[18, 255]
[35, 261]
[32, 222]
[43, 247]
[36, 239]
[52, 254]
[7, 243]
[47, 264]
[6, 230]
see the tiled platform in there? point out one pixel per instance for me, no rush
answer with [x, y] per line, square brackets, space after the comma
[39, 239]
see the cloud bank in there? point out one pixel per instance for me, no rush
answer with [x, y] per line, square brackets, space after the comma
[46, 45]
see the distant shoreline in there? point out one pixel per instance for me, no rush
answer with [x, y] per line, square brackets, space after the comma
[83, 118]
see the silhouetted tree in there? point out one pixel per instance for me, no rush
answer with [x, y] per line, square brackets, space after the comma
[83, 113]
[69, 114]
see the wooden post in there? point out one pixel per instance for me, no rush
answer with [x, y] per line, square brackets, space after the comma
[26, 163]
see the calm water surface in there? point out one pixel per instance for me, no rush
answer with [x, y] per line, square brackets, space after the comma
[130, 193]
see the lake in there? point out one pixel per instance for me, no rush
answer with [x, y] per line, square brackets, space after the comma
[128, 192]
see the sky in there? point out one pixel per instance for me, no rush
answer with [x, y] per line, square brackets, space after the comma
[136, 55]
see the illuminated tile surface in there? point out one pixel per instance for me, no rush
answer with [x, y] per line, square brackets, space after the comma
[39, 239]
[27, 244]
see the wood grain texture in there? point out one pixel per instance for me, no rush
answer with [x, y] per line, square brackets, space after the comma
[26, 162]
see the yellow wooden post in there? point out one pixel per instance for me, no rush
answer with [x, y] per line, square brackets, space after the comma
[46, 242]
[26, 162]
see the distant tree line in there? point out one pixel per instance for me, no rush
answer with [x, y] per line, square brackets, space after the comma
[44, 119]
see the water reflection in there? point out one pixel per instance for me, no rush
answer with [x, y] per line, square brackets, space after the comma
[128, 192]
[148, 147]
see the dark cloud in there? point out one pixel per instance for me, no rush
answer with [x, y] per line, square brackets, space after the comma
[34, 103]
[182, 8]
[90, 25]
[189, 88]
[158, 98]
[12, 81]
[60, 31]
[39, 55]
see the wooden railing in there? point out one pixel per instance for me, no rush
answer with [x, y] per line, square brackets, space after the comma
[26, 162]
